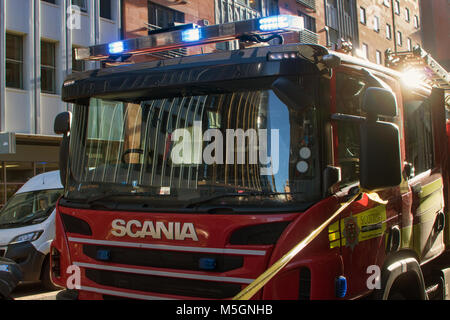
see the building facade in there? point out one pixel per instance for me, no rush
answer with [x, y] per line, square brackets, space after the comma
[37, 39]
[387, 24]
[436, 25]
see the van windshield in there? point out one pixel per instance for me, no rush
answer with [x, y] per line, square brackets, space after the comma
[29, 208]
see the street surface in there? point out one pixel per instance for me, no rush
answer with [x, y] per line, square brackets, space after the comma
[33, 291]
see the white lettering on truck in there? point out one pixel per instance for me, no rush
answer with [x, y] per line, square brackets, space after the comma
[170, 230]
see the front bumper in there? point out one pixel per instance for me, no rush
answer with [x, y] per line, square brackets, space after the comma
[28, 258]
[10, 275]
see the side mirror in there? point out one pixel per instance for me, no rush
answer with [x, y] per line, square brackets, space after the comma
[379, 101]
[380, 158]
[62, 123]
[291, 93]
[62, 126]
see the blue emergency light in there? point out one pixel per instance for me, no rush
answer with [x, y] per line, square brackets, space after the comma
[116, 47]
[191, 35]
[185, 36]
[281, 22]
[207, 264]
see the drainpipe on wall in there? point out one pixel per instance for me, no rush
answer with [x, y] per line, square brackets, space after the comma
[394, 29]
[2, 65]
[36, 27]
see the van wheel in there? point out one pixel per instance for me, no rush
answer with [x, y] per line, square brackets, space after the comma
[46, 278]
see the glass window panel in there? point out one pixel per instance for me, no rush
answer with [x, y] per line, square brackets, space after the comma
[19, 172]
[2, 195]
[47, 54]
[42, 167]
[14, 47]
[11, 189]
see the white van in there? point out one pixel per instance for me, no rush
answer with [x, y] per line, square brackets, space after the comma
[27, 226]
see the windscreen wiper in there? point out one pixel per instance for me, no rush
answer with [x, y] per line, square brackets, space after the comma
[104, 196]
[200, 201]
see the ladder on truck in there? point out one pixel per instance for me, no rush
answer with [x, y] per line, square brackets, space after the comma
[436, 75]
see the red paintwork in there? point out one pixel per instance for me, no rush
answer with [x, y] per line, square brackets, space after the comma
[214, 231]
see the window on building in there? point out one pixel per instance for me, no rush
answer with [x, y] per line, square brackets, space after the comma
[362, 15]
[365, 51]
[418, 133]
[310, 22]
[397, 7]
[48, 67]
[14, 61]
[409, 44]
[163, 17]
[77, 65]
[105, 9]
[378, 57]
[376, 24]
[388, 32]
[81, 3]
[407, 15]
[416, 22]
[399, 38]
[254, 4]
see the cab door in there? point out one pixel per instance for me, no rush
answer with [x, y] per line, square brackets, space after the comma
[424, 177]
[362, 228]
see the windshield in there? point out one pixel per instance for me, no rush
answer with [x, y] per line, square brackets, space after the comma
[168, 152]
[29, 208]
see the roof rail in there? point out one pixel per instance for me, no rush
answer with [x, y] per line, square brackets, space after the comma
[190, 35]
[435, 74]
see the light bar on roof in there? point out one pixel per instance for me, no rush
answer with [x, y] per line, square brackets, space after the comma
[281, 22]
[191, 35]
[116, 47]
[182, 38]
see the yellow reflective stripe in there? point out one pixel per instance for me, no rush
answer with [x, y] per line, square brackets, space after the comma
[334, 236]
[429, 207]
[431, 187]
[335, 244]
[371, 224]
[261, 281]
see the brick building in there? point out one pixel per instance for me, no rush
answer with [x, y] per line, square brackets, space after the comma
[387, 24]
[436, 26]
[326, 22]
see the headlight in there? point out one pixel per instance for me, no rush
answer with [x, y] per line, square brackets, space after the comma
[27, 237]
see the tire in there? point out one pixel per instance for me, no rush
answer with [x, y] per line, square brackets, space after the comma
[397, 296]
[46, 280]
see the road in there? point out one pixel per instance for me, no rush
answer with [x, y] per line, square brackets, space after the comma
[33, 291]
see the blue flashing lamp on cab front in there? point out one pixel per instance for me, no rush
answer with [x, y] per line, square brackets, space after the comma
[116, 47]
[281, 22]
[191, 35]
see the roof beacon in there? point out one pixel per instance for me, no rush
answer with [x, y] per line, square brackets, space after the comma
[186, 36]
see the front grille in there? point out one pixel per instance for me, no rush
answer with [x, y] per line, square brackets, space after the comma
[164, 259]
[163, 285]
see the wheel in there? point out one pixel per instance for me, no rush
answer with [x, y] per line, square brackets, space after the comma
[396, 296]
[46, 277]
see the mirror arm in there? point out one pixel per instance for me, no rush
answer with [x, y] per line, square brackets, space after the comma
[347, 118]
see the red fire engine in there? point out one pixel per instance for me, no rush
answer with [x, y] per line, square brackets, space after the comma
[190, 177]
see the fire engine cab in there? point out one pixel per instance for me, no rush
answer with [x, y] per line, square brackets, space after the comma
[275, 171]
